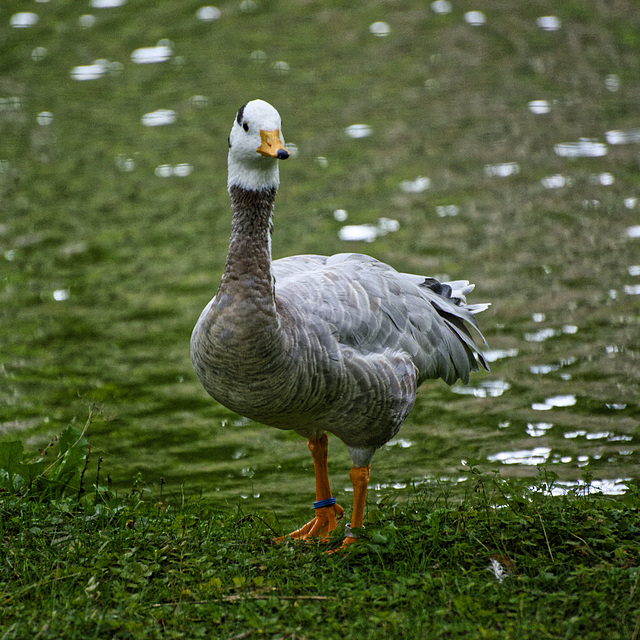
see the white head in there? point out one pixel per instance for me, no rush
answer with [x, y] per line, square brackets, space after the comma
[255, 146]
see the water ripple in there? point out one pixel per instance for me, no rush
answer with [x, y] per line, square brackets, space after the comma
[549, 23]
[148, 55]
[208, 14]
[159, 118]
[486, 389]
[606, 486]
[528, 457]
[627, 136]
[367, 232]
[555, 402]
[357, 131]
[584, 148]
[415, 186]
[107, 4]
[23, 20]
[475, 18]
[380, 29]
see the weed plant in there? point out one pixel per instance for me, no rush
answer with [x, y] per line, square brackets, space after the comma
[510, 560]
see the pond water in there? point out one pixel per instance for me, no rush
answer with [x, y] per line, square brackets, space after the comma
[500, 146]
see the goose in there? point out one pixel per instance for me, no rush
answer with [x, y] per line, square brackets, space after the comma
[321, 344]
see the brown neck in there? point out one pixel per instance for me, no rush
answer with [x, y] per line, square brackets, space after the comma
[248, 268]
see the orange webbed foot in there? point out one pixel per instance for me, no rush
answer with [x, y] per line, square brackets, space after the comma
[349, 540]
[319, 528]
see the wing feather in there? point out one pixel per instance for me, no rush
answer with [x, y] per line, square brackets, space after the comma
[367, 305]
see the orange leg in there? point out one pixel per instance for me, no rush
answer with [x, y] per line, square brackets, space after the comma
[326, 519]
[359, 479]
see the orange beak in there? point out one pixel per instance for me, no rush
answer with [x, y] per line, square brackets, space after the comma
[272, 146]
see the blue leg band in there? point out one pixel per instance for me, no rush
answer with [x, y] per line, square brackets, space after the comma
[324, 503]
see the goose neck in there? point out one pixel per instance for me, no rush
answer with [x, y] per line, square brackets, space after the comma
[249, 258]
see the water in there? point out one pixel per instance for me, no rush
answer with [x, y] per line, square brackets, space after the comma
[24, 19]
[358, 131]
[380, 29]
[366, 232]
[499, 146]
[159, 117]
[208, 13]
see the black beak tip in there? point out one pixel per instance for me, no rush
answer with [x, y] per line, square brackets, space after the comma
[283, 154]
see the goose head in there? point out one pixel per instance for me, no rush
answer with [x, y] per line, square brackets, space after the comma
[255, 146]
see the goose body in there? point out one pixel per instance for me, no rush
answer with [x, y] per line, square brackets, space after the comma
[320, 344]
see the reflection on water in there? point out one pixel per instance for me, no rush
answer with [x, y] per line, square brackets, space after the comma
[549, 23]
[623, 137]
[556, 182]
[44, 118]
[102, 296]
[475, 18]
[610, 487]
[491, 355]
[24, 19]
[539, 107]
[159, 117]
[415, 186]
[441, 6]
[181, 170]
[281, 67]
[125, 164]
[90, 71]
[248, 6]
[366, 232]
[604, 179]
[358, 131]
[612, 82]
[39, 54]
[107, 4]
[148, 55]
[554, 402]
[87, 21]
[258, 56]
[486, 389]
[208, 14]
[548, 332]
[60, 295]
[543, 369]
[502, 170]
[447, 210]
[538, 429]
[527, 457]
[584, 148]
[380, 29]
[403, 443]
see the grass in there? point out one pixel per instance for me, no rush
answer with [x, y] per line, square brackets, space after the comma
[140, 255]
[509, 560]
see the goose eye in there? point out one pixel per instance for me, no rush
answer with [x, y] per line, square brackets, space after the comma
[245, 126]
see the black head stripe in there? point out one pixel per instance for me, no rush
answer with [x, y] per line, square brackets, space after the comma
[240, 114]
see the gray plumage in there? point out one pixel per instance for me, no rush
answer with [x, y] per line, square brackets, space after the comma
[314, 343]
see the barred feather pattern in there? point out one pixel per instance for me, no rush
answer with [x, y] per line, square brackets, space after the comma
[315, 343]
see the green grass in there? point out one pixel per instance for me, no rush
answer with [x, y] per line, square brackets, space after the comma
[140, 255]
[81, 562]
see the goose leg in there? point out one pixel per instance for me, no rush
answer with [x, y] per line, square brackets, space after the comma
[326, 519]
[359, 477]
